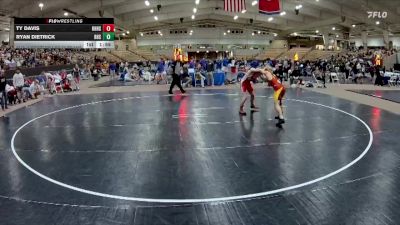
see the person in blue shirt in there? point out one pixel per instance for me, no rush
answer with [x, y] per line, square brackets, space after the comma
[192, 64]
[203, 63]
[225, 65]
[219, 64]
[225, 62]
[112, 67]
[161, 73]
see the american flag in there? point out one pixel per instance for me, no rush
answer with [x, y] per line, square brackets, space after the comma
[235, 5]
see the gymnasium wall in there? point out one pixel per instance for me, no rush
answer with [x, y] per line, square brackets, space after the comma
[4, 36]
[376, 41]
[205, 36]
[129, 44]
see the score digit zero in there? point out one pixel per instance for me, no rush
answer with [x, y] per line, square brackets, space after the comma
[108, 36]
[108, 27]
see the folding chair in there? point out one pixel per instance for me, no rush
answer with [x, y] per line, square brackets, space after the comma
[335, 78]
[393, 80]
[199, 77]
[318, 82]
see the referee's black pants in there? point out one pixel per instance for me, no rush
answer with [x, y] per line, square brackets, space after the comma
[176, 80]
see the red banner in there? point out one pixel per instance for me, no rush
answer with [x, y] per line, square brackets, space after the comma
[269, 7]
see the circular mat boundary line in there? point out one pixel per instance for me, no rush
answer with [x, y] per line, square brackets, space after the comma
[204, 200]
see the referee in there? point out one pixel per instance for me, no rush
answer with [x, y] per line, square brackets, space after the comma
[176, 80]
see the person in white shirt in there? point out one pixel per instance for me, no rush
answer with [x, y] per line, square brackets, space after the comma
[18, 82]
[34, 89]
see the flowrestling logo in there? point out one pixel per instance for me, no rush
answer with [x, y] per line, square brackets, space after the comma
[377, 14]
[57, 21]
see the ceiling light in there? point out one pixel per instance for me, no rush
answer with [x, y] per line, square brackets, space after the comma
[337, 35]
[216, 51]
[198, 51]
[259, 32]
[127, 31]
[333, 28]
[151, 10]
[377, 22]
[252, 34]
[298, 7]
[317, 0]
[147, 3]
[197, 2]
[194, 10]
[141, 34]
[155, 17]
[235, 17]
[193, 17]
[226, 51]
[160, 34]
[41, 5]
[295, 34]
[270, 19]
[65, 13]
[253, 3]
[317, 31]
[282, 13]
[275, 34]
[229, 31]
[353, 25]
[190, 33]
[244, 11]
[7, 29]
[207, 51]
[224, 33]
[123, 34]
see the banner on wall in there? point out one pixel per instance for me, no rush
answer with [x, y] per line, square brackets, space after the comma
[180, 55]
[234, 5]
[269, 7]
[378, 60]
[296, 57]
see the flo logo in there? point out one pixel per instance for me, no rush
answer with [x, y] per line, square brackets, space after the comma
[376, 14]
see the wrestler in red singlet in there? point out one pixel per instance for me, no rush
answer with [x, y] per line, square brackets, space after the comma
[246, 81]
[247, 87]
[279, 92]
[279, 89]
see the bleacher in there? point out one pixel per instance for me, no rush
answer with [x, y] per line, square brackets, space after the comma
[319, 54]
[147, 54]
[104, 54]
[271, 53]
[290, 53]
[244, 57]
[128, 56]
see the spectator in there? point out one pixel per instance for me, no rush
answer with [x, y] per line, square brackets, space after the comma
[18, 82]
[11, 94]
[3, 93]
[112, 69]
[210, 73]
[199, 75]
[34, 89]
[76, 73]
[161, 73]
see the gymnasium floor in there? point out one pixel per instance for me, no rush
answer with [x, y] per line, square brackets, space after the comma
[151, 158]
[392, 95]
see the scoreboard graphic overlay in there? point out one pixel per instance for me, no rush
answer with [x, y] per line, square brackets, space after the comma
[64, 33]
